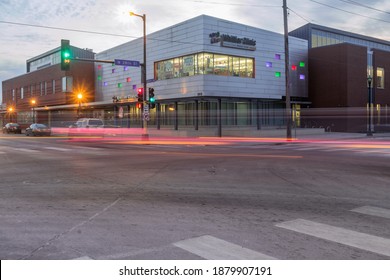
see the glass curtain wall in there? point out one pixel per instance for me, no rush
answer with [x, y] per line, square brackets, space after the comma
[205, 64]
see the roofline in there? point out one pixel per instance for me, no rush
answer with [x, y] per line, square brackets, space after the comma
[346, 33]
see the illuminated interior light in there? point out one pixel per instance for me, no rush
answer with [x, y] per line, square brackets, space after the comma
[301, 64]
[294, 67]
[268, 64]
[301, 77]
[278, 74]
[277, 56]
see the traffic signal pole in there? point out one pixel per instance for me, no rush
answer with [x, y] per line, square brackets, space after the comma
[66, 57]
[145, 134]
[287, 74]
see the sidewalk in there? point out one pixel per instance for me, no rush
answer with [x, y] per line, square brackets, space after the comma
[344, 136]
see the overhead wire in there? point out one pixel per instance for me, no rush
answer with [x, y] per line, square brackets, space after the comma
[236, 4]
[349, 12]
[364, 6]
[200, 1]
[65, 29]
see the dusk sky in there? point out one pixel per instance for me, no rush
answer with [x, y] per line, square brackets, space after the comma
[21, 42]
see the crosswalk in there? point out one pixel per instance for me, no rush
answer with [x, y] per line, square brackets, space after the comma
[43, 150]
[213, 248]
[210, 247]
[371, 243]
[377, 150]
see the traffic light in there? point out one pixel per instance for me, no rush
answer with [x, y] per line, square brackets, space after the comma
[65, 55]
[152, 100]
[140, 95]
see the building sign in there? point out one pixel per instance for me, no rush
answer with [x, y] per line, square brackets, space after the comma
[230, 41]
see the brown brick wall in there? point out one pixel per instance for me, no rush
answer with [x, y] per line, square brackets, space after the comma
[83, 79]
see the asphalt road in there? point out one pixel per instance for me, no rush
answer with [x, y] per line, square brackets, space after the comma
[93, 199]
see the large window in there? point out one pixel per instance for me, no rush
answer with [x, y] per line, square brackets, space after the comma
[380, 78]
[67, 84]
[204, 64]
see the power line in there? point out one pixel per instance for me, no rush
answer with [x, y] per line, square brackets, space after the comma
[302, 17]
[364, 6]
[99, 33]
[65, 29]
[356, 14]
[235, 4]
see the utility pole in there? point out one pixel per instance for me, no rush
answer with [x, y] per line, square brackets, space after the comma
[145, 134]
[287, 70]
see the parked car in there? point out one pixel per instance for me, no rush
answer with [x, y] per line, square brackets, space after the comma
[87, 123]
[12, 128]
[38, 129]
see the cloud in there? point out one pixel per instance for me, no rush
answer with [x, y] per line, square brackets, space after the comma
[19, 43]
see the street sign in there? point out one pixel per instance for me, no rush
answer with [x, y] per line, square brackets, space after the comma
[146, 108]
[146, 112]
[123, 62]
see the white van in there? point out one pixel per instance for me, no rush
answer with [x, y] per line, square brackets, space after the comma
[89, 122]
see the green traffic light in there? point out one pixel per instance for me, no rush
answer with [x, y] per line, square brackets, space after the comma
[152, 99]
[65, 55]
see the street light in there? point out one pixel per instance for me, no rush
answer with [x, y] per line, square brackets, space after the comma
[79, 97]
[10, 110]
[145, 135]
[370, 107]
[33, 109]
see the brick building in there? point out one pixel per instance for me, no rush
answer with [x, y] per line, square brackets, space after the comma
[340, 64]
[46, 85]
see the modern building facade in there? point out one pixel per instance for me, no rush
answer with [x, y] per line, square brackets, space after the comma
[206, 72]
[320, 36]
[341, 64]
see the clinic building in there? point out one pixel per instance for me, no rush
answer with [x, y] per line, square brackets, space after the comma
[206, 72]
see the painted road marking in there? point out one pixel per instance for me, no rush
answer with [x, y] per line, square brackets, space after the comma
[308, 148]
[212, 248]
[355, 239]
[24, 150]
[373, 211]
[57, 149]
[83, 258]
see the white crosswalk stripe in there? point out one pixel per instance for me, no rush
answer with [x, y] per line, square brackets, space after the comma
[373, 211]
[41, 150]
[333, 148]
[212, 248]
[25, 150]
[351, 238]
[58, 149]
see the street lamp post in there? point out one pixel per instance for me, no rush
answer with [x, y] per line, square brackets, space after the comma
[79, 97]
[33, 109]
[145, 135]
[370, 107]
